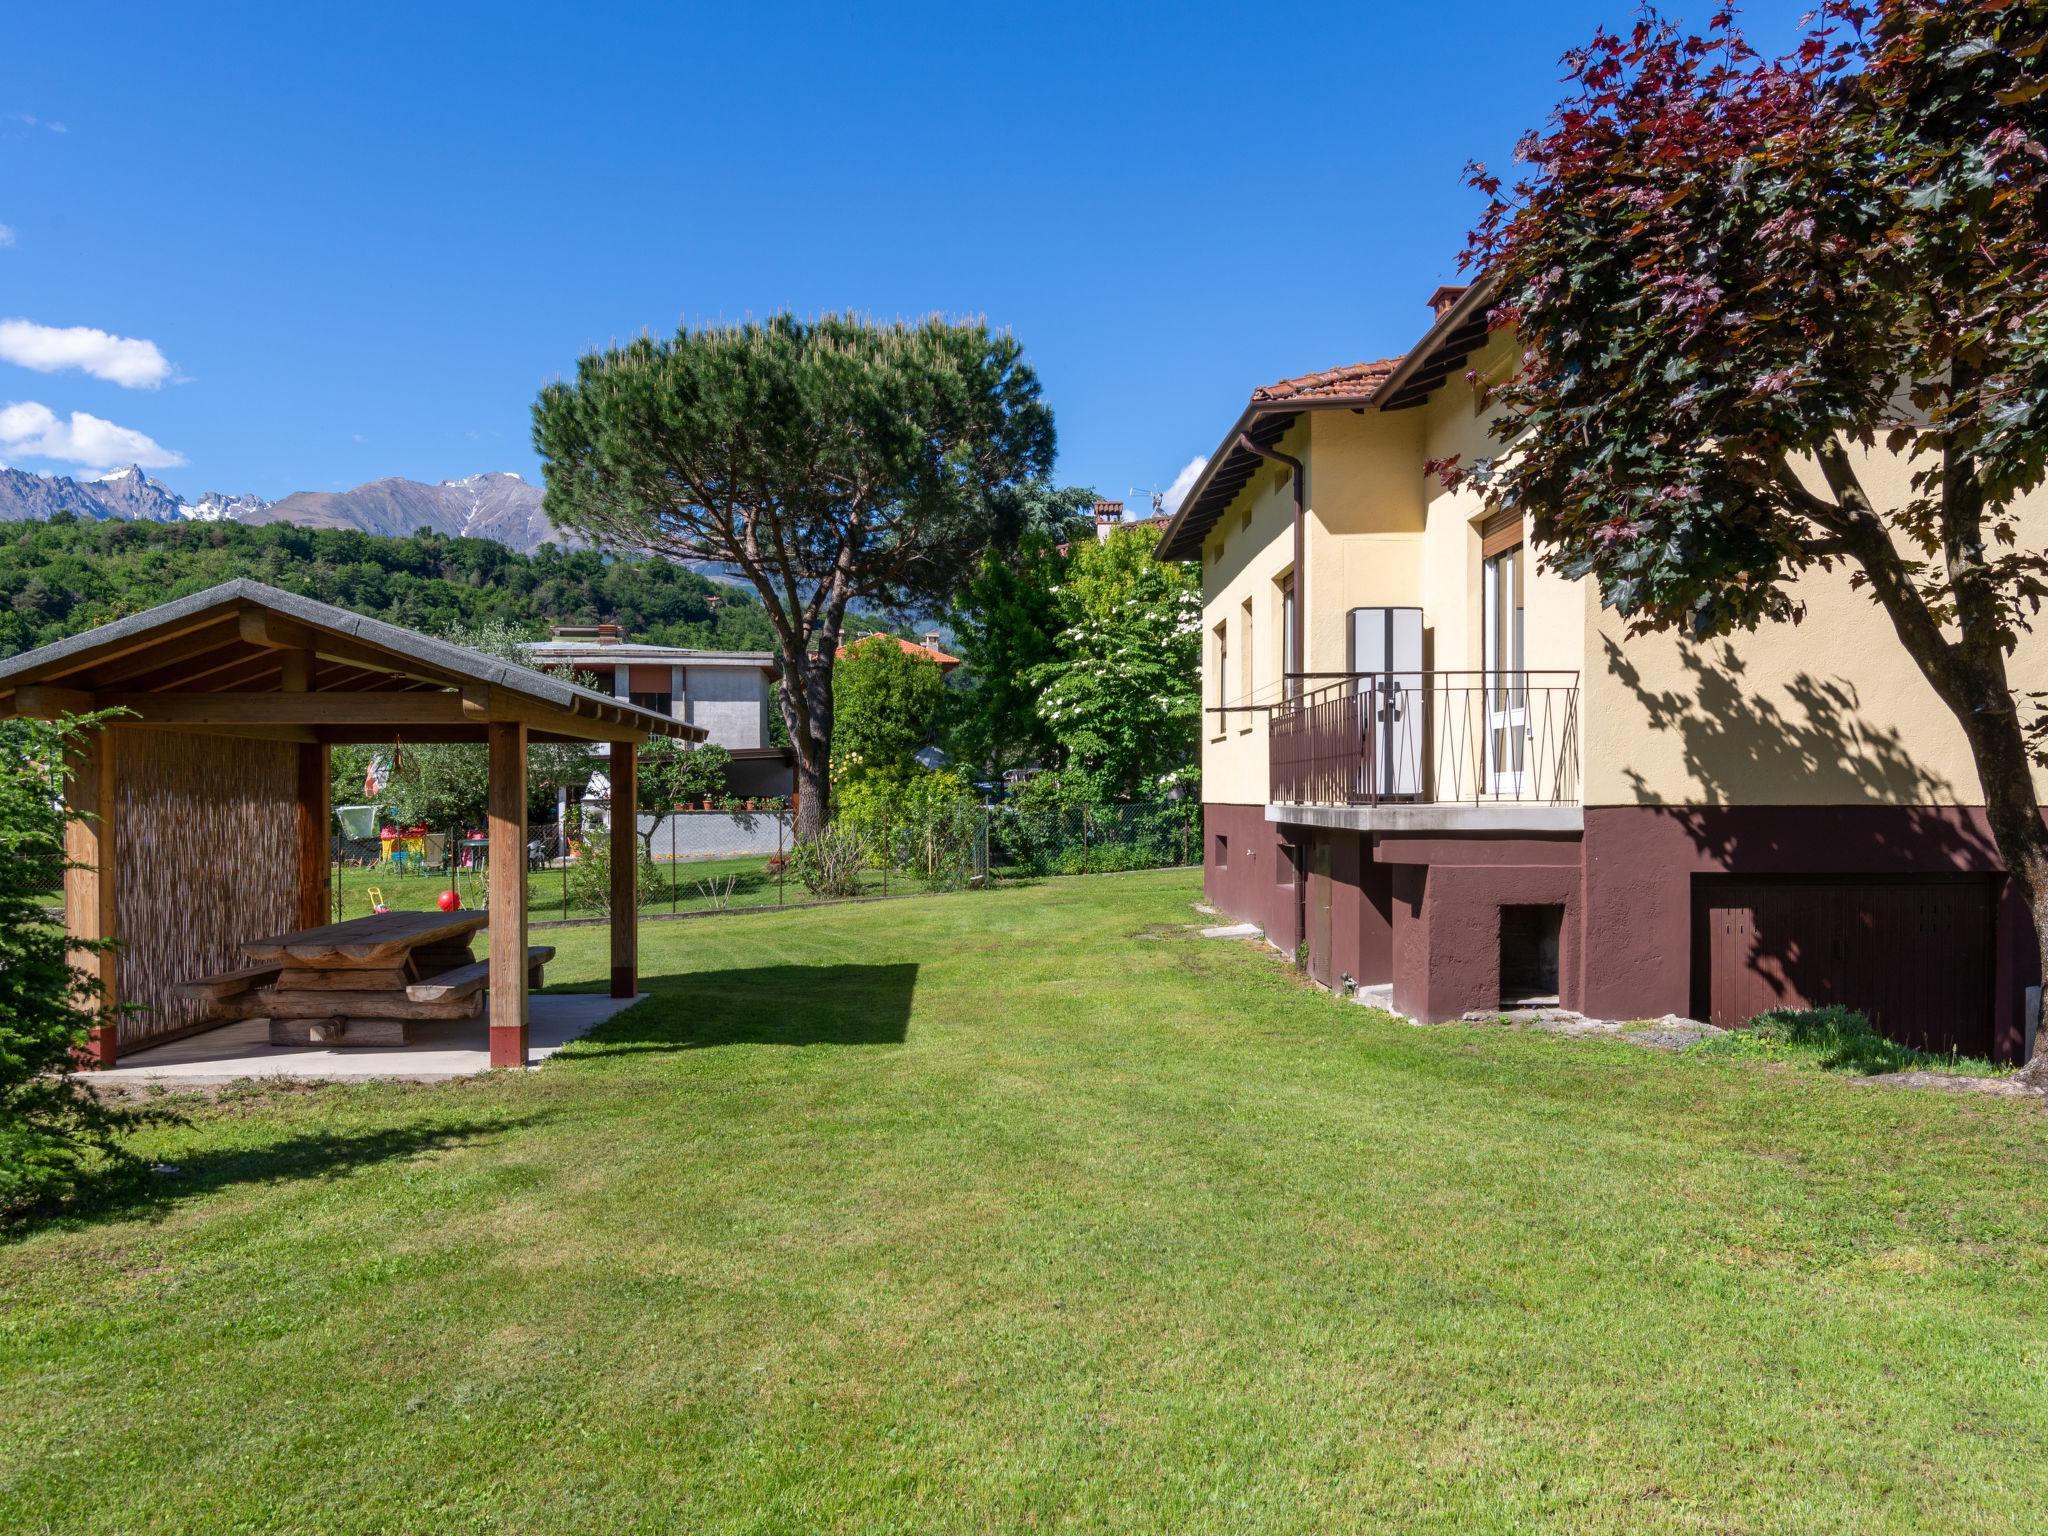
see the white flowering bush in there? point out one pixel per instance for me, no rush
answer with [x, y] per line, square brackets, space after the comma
[1122, 696]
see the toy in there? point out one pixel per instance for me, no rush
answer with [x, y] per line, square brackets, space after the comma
[376, 899]
[449, 901]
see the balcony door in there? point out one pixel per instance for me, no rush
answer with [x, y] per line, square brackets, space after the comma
[1386, 666]
[1505, 683]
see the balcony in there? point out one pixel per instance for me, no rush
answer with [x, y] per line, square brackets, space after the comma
[1439, 750]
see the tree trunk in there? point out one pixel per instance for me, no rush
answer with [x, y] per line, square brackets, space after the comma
[1968, 672]
[813, 793]
[806, 698]
[1972, 682]
[2014, 811]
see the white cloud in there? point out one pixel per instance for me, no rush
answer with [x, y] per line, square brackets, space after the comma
[37, 432]
[1184, 482]
[6, 237]
[123, 360]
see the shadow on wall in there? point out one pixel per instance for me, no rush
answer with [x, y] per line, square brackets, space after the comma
[761, 1005]
[1776, 931]
[1734, 739]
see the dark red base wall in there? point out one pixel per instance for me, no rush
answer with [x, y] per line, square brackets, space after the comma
[1248, 888]
[1640, 863]
[1424, 912]
[1448, 893]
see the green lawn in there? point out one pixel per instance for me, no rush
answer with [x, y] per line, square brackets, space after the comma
[982, 1213]
[692, 885]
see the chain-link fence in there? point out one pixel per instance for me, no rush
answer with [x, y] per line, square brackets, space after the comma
[1094, 839]
[718, 862]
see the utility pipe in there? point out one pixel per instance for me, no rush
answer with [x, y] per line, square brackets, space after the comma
[1296, 666]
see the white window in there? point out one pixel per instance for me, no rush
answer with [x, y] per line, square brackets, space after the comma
[1506, 680]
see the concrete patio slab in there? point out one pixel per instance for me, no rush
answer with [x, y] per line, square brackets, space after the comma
[444, 1049]
[1235, 931]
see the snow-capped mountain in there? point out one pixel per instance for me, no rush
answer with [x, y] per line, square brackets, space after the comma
[496, 506]
[128, 493]
[490, 506]
[216, 508]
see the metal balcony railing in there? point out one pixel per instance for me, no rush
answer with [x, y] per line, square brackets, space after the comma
[1427, 738]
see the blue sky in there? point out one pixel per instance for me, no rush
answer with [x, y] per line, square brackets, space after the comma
[350, 241]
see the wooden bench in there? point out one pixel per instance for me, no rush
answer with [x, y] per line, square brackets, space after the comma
[225, 984]
[468, 980]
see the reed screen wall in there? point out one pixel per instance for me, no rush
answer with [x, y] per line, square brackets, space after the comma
[204, 847]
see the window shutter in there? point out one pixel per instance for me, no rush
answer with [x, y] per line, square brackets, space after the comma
[1499, 533]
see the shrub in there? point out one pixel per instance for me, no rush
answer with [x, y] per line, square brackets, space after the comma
[590, 877]
[938, 830]
[672, 775]
[1835, 1039]
[53, 1131]
[830, 863]
[926, 824]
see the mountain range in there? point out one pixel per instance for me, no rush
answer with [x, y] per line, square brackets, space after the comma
[490, 506]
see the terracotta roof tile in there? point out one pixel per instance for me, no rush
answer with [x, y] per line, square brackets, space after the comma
[910, 648]
[1354, 381]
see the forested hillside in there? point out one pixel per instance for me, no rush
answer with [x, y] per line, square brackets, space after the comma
[65, 575]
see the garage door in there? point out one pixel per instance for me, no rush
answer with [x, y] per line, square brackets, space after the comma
[1913, 955]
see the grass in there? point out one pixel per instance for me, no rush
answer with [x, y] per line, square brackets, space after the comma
[679, 888]
[1026, 1210]
[1836, 1039]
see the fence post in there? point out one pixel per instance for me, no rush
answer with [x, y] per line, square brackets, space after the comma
[781, 855]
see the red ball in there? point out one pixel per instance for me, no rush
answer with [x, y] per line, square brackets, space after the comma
[449, 901]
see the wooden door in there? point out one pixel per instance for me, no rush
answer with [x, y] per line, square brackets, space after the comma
[1914, 956]
[1322, 965]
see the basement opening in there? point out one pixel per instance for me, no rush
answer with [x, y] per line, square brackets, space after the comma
[1528, 955]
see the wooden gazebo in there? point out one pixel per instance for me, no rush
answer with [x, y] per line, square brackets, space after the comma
[205, 805]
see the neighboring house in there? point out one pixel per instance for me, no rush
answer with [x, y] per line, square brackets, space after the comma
[726, 693]
[930, 649]
[1452, 774]
[1109, 518]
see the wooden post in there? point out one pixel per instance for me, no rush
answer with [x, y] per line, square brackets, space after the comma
[90, 885]
[506, 801]
[625, 777]
[315, 816]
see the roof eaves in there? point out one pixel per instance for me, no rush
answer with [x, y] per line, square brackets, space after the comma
[406, 644]
[1474, 301]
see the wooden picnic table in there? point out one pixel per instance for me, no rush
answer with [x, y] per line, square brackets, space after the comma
[365, 981]
[381, 939]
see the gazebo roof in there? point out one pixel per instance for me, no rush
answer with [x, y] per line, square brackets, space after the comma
[243, 658]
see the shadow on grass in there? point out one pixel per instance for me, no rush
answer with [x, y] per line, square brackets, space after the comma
[761, 1005]
[128, 1189]
[1835, 1039]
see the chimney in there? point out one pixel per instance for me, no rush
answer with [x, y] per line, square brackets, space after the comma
[1108, 514]
[610, 634]
[931, 640]
[1445, 297]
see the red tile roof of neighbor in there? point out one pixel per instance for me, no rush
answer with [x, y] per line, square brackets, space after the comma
[1353, 381]
[910, 647]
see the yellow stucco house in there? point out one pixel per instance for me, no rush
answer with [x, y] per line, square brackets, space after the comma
[1452, 776]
